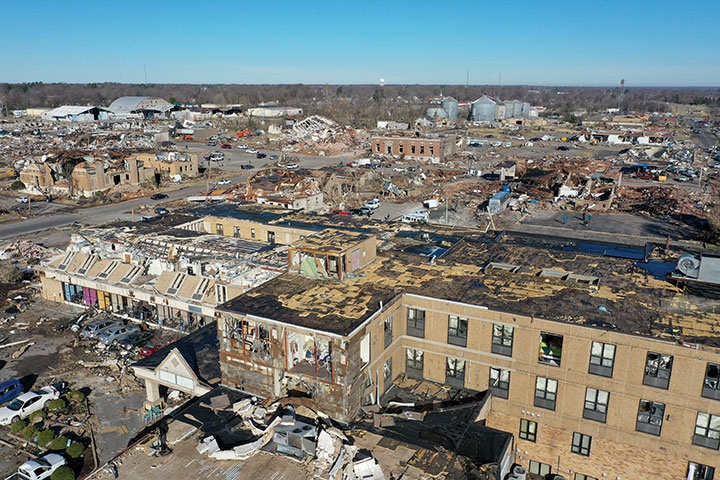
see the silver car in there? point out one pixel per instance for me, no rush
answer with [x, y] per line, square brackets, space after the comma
[93, 329]
[115, 333]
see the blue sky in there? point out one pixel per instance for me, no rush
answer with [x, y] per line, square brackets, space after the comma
[673, 43]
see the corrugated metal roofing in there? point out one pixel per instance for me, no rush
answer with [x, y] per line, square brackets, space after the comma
[126, 104]
[66, 110]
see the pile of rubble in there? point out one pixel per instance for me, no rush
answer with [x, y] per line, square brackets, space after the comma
[27, 251]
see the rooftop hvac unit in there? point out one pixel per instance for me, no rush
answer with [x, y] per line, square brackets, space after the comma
[519, 472]
[688, 265]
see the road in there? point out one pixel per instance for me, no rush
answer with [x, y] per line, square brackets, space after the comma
[705, 138]
[107, 213]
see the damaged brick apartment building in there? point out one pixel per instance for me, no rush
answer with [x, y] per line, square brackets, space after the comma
[600, 366]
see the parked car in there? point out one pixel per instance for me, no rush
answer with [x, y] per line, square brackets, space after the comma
[9, 390]
[135, 339]
[93, 329]
[563, 148]
[158, 196]
[242, 146]
[261, 155]
[251, 150]
[292, 166]
[112, 334]
[40, 468]
[342, 212]
[373, 204]
[211, 144]
[23, 199]
[161, 211]
[152, 346]
[26, 404]
[247, 166]
[226, 146]
[224, 182]
[273, 157]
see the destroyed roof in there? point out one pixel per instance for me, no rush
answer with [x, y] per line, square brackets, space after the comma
[331, 240]
[513, 275]
[66, 110]
[200, 349]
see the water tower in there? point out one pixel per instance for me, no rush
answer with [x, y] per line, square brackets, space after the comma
[382, 82]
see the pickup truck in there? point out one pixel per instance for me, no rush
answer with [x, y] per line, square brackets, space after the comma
[27, 403]
[39, 469]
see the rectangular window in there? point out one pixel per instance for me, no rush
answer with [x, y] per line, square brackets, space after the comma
[432, 150]
[414, 363]
[388, 330]
[457, 330]
[602, 359]
[580, 476]
[528, 430]
[389, 149]
[412, 149]
[502, 339]
[236, 232]
[422, 149]
[545, 392]
[698, 471]
[400, 148]
[707, 431]
[550, 349]
[581, 444]
[711, 385]
[650, 417]
[539, 468]
[252, 233]
[596, 403]
[377, 147]
[657, 370]
[499, 382]
[455, 372]
[387, 371]
[219, 228]
[416, 322]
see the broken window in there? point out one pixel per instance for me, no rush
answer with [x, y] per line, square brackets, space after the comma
[221, 293]
[416, 322]
[581, 444]
[377, 147]
[236, 232]
[457, 330]
[219, 228]
[657, 370]
[707, 431]
[528, 430]
[400, 148]
[698, 471]
[388, 331]
[414, 363]
[432, 150]
[252, 233]
[499, 382]
[389, 149]
[502, 339]
[422, 149]
[455, 372]
[387, 372]
[650, 417]
[412, 149]
[602, 359]
[539, 468]
[550, 349]
[711, 385]
[545, 392]
[596, 403]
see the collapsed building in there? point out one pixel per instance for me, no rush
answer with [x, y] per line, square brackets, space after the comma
[588, 352]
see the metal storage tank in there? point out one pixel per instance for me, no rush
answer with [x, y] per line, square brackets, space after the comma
[525, 109]
[483, 109]
[435, 113]
[513, 108]
[450, 105]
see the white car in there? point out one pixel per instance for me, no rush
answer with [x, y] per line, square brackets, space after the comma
[251, 150]
[224, 182]
[398, 169]
[40, 468]
[242, 146]
[292, 166]
[23, 199]
[373, 204]
[26, 404]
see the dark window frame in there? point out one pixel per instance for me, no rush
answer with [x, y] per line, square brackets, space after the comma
[499, 387]
[593, 408]
[581, 444]
[600, 364]
[648, 420]
[547, 355]
[414, 368]
[458, 334]
[709, 428]
[658, 374]
[542, 469]
[702, 472]
[388, 331]
[454, 375]
[544, 396]
[502, 342]
[416, 322]
[528, 430]
[711, 381]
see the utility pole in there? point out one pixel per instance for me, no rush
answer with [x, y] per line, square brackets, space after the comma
[29, 203]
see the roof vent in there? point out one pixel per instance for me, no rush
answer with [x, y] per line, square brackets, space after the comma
[689, 266]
